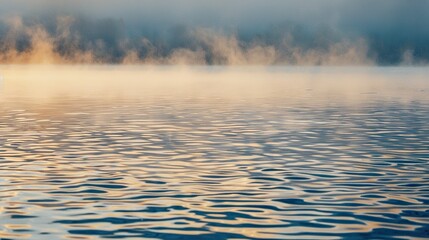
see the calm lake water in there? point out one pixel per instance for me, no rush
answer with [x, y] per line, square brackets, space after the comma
[214, 153]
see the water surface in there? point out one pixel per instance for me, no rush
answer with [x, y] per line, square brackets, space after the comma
[214, 153]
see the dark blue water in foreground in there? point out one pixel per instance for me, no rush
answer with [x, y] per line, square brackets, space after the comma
[276, 155]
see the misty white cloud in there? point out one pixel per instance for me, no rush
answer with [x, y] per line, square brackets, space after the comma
[234, 31]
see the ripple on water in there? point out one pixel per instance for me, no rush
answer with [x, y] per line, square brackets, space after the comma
[272, 167]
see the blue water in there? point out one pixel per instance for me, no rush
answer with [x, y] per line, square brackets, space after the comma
[276, 156]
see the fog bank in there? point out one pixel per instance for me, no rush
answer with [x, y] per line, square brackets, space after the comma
[329, 32]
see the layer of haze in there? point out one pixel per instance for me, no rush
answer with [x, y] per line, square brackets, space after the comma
[349, 86]
[234, 32]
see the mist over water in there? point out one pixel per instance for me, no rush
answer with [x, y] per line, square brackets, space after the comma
[330, 32]
[213, 152]
[228, 119]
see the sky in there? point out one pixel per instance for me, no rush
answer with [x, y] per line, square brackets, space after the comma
[223, 32]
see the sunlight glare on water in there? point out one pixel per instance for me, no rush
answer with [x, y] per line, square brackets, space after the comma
[214, 153]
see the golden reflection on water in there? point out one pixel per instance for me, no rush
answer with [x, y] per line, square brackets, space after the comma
[114, 83]
[166, 152]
